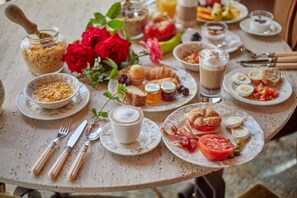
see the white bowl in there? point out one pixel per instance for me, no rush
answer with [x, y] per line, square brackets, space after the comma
[50, 78]
[186, 48]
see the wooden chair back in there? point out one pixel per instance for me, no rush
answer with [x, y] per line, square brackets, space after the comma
[289, 36]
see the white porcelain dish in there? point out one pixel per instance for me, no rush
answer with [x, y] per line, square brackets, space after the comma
[148, 139]
[243, 12]
[32, 110]
[284, 90]
[187, 48]
[251, 148]
[275, 28]
[47, 79]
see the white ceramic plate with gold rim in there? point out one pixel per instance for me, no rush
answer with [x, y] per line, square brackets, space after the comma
[243, 12]
[187, 80]
[32, 110]
[284, 89]
[251, 148]
[148, 139]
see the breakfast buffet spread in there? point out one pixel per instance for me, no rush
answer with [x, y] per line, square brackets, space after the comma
[208, 134]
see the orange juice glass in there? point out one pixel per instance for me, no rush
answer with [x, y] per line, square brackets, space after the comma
[167, 6]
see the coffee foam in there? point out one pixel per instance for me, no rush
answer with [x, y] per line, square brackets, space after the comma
[213, 59]
[126, 115]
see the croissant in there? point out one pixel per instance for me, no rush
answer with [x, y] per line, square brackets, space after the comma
[161, 72]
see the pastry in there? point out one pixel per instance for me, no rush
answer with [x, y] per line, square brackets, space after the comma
[204, 119]
[161, 72]
[135, 96]
[256, 75]
[136, 75]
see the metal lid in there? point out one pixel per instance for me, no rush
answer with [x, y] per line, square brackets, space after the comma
[152, 88]
[168, 87]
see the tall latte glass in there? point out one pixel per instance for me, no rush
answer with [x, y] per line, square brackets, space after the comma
[126, 122]
[212, 67]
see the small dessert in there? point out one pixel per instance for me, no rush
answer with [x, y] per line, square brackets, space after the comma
[135, 96]
[204, 119]
[240, 132]
[241, 79]
[232, 122]
[260, 20]
[214, 30]
[136, 75]
[271, 76]
[245, 90]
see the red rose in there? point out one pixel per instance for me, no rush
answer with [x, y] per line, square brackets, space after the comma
[78, 56]
[94, 36]
[114, 48]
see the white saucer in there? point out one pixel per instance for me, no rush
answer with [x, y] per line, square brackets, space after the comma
[232, 41]
[275, 28]
[32, 110]
[149, 138]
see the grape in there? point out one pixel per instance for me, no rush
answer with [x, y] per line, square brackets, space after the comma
[123, 79]
[128, 82]
[179, 88]
[124, 76]
[185, 91]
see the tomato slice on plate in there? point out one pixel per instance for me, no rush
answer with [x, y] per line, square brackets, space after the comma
[215, 147]
[203, 128]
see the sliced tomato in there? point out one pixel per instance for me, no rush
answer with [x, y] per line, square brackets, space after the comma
[203, 128]
[215, 147]
[264, 93]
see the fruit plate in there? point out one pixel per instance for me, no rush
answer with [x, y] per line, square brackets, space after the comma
[243, 12]
[187, 80]
[284, 89]
[251, 147]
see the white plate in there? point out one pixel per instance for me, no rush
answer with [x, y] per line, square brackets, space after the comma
[243, 13]
[32, 110]
[149, 138]
[232, 41]
[250, 149]
[275, 28]
[284, 89]
[189, 82]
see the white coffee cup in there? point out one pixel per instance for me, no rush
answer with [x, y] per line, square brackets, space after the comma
[260, 20]
[126, 122]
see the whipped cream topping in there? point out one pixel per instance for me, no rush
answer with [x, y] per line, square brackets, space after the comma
[213, 58]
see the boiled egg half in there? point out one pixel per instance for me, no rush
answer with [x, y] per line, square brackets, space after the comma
[245, 90]
[240, 132]
[241, 79]
[232, 122]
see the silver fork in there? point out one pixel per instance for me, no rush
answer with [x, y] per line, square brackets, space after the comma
[63, 131]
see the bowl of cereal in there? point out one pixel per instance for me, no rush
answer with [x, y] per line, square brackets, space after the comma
[44, 55]
[188, 54]
[52, 91]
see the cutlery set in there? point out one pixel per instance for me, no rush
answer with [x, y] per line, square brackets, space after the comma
[279, 60]
[91, 134]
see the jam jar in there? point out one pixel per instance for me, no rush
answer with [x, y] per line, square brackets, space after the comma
[153, 93]
[44, 54]
[168, 91]
[135, 15]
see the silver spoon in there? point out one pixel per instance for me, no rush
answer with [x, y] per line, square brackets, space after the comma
[254, 55]
[91, 134]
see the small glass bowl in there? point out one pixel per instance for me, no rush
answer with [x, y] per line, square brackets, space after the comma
[260, 20]
[44, 55]
[214, 31]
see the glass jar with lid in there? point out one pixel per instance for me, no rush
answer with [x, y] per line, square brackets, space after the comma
[44, 54]
[135, 15]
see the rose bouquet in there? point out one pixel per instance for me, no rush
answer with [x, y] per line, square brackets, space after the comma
[105, 48]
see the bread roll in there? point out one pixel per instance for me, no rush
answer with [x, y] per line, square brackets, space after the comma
[136, 74]
[271, 76]
[204, 117]
[135, 96]
[256, 75]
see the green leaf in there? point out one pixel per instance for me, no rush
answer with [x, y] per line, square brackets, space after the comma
[110, 63]
[127, 36]
[94, 112]
[103, 114]
[116, 24]
[108, 94]
[89, 24]
[113, 73]
[100, 18]
[114, 10]
[94, 21]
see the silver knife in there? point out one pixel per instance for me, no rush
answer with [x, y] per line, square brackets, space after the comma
[276, 65]
[288, 59]
[55, 170]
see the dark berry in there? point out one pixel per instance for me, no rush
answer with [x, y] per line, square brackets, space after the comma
[128, 82]
[124, 76]
[185, 91]
[179, 88]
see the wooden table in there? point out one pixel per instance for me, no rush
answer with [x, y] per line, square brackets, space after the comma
[22, 140]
